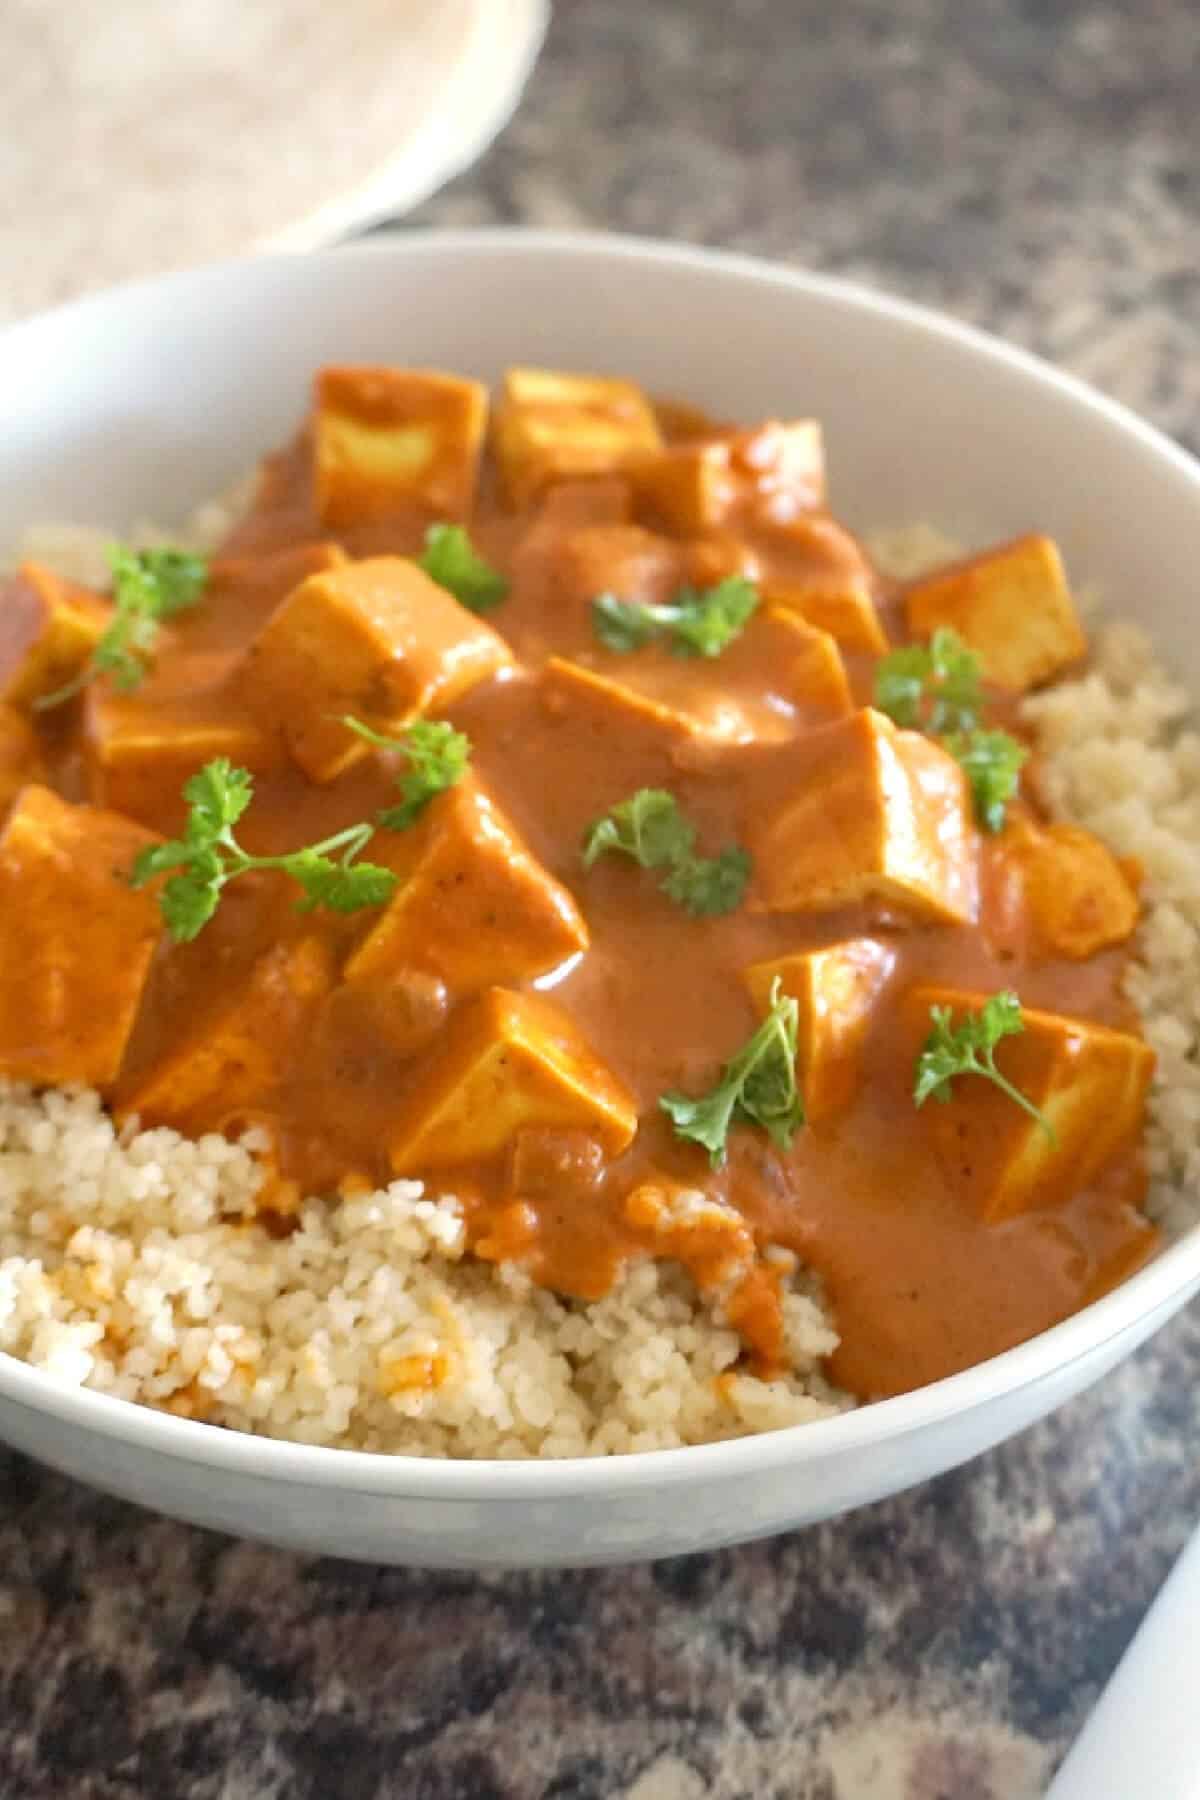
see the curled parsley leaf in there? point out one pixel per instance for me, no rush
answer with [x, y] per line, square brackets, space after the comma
[969, 1048]
[697, 622]
[200, 863]
[147, 587]
[937, 688]
[452, 561]
[437, 758]
[650, 828]
[992, 761]
[709, 886]
[933, 687]
[758, 1086]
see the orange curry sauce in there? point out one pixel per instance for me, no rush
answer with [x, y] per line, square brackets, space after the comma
[920, 1281]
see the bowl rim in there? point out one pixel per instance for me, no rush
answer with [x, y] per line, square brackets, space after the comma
[1152, 1291]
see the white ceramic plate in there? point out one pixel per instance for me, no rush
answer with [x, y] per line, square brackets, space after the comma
[142, 400]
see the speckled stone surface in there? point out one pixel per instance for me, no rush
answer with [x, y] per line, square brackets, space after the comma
[1034, 166]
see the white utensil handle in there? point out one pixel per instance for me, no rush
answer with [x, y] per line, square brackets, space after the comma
[1143, 1740]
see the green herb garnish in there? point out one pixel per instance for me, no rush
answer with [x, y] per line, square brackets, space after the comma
[993, 761]
[937, 688]
[452, 561]
[208, 856]
[650, 828]
[758, 1087]
[697, 622]
[709, 886]
[147, 587]
[934, 687]
[437, 758]
[969, 1048]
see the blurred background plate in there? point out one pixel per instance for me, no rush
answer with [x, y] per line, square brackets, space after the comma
[141, 135]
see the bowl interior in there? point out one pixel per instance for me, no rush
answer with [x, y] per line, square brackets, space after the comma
[143, 400]
[139, 403]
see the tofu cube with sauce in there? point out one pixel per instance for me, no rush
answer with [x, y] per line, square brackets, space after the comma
[388, 441]
[48, 630]
[1012, 605]
[256, 584]
[377, 639]
[861, 810]
[474, 907]
[625, 560]
[816, 569]
[816, 674]
[836, 990]
[231, 1062]
[21, 759]
[76, 941]
[506, 1061]
[1064, 888]
[1089, 1082]
[553, 426]
[777, 673]
[137, 753]
[770, 473]
[568, 689]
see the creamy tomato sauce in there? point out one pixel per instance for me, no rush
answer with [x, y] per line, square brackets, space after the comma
[920, 1283]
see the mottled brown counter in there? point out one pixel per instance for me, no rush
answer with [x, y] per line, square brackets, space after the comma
[1033, 166]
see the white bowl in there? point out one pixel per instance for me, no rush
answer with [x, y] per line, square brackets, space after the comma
[143, 400]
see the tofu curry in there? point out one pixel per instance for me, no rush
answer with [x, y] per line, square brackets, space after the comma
[550, 800]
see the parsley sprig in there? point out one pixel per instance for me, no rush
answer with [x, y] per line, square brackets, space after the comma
[969, 1048]
[758, 1087]
[934, 687]
[697, 622]
[437, 757]
[147, 587]
[938, 688]
[452, 561]
[992, 762]
[208, 856]
[650, 828]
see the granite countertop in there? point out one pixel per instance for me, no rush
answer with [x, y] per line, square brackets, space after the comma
[1032, 166]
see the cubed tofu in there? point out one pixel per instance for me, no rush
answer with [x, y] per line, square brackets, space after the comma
[816, 674]
[836, 990]
[847, 613]
[777, 674]
[1074, 893]
[76, 940]
[1012, 605]
[613, 709]
[862, 810]
[473, 908]
[566, 508]
[507, 1060]
[769, 474]
[1089, 1082]
[48, 630]
[815, 568]
[21, 759]
[712, 559]
[137, 753]
[254, 585]
[227, 1068]
[624, 560]
[388, 441]
[554, 426]
[377, 639]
